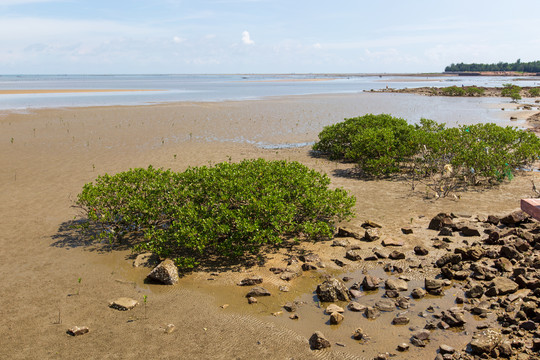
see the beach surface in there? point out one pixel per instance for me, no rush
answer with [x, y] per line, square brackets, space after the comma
[54, 279]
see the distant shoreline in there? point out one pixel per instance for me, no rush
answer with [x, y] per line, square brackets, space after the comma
[62, 91]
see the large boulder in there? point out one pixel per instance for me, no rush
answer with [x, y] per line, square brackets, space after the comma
[166, 273]
[333, 290]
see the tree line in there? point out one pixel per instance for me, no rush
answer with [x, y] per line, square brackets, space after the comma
[518, 66]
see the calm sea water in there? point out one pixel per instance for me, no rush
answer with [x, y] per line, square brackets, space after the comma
[174, 88]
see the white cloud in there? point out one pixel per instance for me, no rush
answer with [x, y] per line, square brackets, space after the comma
[178, 39]
[246, 39]
[317, 46]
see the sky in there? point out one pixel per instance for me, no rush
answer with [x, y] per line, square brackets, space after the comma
[262, 36]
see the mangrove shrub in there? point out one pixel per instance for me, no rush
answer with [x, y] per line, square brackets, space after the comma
[225, 210]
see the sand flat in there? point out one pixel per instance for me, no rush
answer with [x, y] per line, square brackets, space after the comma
[66, 91]
[49, 154]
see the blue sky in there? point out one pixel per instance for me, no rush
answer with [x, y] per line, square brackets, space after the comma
[262, 36]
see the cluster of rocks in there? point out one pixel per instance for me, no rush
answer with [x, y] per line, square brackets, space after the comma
[496, 265]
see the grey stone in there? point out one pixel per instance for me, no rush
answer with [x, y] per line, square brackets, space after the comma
[333, 308]
[372, 312]
[400, 320]
[418, 293]
[166, 272]
[357, 307]
[258, 291]
[396, 284]
[385, 305]
[446, 349]
[332, 290]
[434, 286]
[318, 341]
[123, 304]
[372, 234]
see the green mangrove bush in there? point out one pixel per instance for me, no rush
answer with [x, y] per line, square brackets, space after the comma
[227, 210]
[443, 158]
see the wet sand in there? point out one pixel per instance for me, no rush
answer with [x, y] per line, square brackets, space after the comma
[66, 91]
[49, 154]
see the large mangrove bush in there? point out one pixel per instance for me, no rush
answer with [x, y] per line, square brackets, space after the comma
[226, 210]
[442, 158]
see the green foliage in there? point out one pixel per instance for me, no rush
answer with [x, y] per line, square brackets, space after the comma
[442, 158]
[518, 66]
[225, 210]
[378, 143]
[511, 91]
[534, 92]
[462, 91]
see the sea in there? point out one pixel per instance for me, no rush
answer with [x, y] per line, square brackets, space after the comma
[166, 88]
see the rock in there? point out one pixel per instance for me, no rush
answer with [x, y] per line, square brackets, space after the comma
[294, 317]
[469, 231]
[146, 259]
[453, 317]
[396, 255]
[505, 349]
[403, 302]
[318, 341]
[310, 258]
[372, 312]
[403, 347]
[166, 272]
[448, 259]
[433, 286]
[332, 290]
[510, 252]
[336, 318]
[503, 264]
[514, 218]
[396, 284]
[371, 224]
[391, 293]
[446, 231]
[420, 338]
[446, 349]
[382, 356]
[284, 288]
[372, 234]
[485, 341]
[502, 286]
[379, 254]
[333, 308]
[354, 306]
[418, 293]
[370, 283]
[421, 250]
[348, 231]
[251, 281]
[290, 307]
[355, 294]
[440, 221]
[308, 267]
[78, 330]
[400, 320]
[252, 300]
[406, 230]
[353, 255]
[358, 334]
[371, 258]
[123, 304]
[476, 291]
[492, 219]
[385, 305]
[170, 328]
[341, 242]
[289, 275]
[258, 291]
[528, 325]
[391, 242]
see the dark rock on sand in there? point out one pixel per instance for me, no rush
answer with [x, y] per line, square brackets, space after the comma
[318, 341]
[258, 291]
[251, 281]
[166, 273]
[332, 290]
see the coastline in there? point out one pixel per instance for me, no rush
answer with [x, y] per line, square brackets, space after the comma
[49, 154]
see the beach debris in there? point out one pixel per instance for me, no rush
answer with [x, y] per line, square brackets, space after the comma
[332, 290]
[123, 304]
[250, 281]
[169, 328]
[318, 341]
[78, 330]
[166, 273]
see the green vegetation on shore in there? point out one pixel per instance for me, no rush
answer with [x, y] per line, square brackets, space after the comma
[442, 158]
[532, 67]
[226, 210]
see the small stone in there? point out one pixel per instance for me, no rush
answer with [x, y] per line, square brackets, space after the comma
[385, 305]
[123, 304]
[284, 288]
[372, 234]
[290, 307]
[396, 255]
[422, 334]
[252, 300]
[332, 290]
[406, 230]
[434, 286]
[391, 242]
[418, 293]
[308, 267]
[396, 284]
[357, 307]
[333, 308]
[224, 306]
[294, 317]
[355, 294]
[169, 329]
[421, 250]
[166, 272]
[318, 341]
[400, 320]
[258, 291]
[353, 255]
[403, 347]
[358, 334]
[370, 283]
[310, 258]
[251, 281]
[336, 318]
[349, 231]
[78, 330]
[341, 242]
[372, 312]
[446, 349]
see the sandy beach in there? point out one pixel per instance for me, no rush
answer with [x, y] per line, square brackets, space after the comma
[49, 154]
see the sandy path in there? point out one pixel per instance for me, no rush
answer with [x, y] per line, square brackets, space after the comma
[48, 155]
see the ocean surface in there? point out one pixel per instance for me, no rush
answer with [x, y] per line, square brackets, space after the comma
[175, 88]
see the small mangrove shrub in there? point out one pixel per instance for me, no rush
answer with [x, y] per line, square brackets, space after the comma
[511, 91]
[227, 210]
[443, 158]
